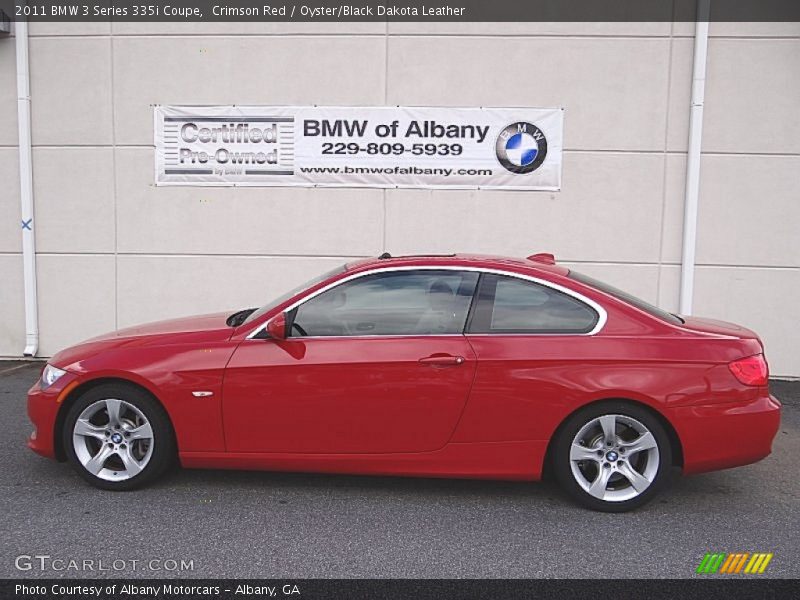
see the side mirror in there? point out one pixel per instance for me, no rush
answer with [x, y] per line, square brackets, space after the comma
[276, 327]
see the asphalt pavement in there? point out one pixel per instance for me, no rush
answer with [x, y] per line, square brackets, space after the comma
[270, 525]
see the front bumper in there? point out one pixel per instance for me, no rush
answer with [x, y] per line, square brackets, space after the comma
[721, 436]
[43, 406]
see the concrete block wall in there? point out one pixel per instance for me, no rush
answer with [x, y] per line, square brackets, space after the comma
[113, 250]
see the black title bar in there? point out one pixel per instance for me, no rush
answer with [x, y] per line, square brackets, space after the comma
[400, 10]
[710, 588]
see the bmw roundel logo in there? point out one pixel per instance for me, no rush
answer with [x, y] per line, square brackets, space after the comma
[521, 147]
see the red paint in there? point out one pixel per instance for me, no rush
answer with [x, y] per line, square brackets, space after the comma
[444, 405]
[276, 327]
[345, 395]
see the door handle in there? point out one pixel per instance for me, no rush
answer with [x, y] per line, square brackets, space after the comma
[442, 361]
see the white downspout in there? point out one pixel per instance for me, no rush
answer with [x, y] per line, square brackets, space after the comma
[26, 190]
[692, 192]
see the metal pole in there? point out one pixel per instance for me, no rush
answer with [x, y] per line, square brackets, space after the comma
[26, 190]
[692, 192]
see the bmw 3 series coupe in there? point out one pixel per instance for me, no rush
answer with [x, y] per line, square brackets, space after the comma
[433, 366]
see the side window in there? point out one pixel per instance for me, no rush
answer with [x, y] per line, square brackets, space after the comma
[423, 302]
[512, 305]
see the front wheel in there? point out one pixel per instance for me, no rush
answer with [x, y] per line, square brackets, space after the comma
[612, 457]
[118, 437]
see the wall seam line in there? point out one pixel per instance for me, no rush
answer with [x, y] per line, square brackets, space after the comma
[114, 169]
[550, 36]
[665, 167]
[659, 152]
[564, 261]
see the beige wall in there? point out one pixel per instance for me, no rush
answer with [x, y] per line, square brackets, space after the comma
[114, 250]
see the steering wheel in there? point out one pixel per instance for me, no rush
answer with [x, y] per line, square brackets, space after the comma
[300, 330]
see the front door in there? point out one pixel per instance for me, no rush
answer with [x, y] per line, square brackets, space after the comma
[377, 364]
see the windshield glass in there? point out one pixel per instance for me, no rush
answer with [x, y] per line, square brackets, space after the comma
[294, 291]
[627, 298]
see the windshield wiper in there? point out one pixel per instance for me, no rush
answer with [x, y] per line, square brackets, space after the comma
[239, 317]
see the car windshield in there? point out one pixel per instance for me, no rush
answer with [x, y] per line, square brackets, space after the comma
[294, 291]
[627, 298]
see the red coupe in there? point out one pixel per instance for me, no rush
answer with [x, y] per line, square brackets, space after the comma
[435, 366]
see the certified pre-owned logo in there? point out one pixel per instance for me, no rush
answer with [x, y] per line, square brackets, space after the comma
[521, 147]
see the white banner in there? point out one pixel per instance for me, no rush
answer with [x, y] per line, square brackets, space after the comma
[476, 148]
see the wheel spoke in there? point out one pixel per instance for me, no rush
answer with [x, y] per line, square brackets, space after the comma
[578, 452]
[85, 428]
[639, 482]
[609, 425]
[646, 441]
[132, 466]
[598, 487]
[143, 432]
[113, 408]
[95, 464]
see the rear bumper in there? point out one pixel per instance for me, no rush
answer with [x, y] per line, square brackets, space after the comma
[721, 436]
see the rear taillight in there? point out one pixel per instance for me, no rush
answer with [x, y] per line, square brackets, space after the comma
[752, 370]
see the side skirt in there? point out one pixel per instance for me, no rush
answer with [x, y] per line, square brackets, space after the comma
[477, 460]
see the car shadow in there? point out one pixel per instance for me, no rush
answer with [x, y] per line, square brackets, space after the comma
[708, 489]
[224, 480]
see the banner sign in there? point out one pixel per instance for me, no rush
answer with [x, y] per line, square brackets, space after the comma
[384, 147]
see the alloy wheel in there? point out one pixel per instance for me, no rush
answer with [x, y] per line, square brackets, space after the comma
[614, 458]
[113, 439]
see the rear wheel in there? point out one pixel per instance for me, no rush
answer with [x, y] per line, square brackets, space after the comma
[118, 437]
[613, 456]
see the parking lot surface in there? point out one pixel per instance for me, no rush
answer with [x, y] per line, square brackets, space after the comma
[271, 525]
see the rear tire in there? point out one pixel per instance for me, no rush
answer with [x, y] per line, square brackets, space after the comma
[612, 456]
[118, 437]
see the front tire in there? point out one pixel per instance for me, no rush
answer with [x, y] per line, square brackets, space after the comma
[117, 437]
[612, 456]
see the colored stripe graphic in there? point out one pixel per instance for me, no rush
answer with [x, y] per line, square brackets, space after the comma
[721, 562]
[758, 563]
[735, 562]
[710, 563]
[730, 561]
[701, 568]
[740, 564]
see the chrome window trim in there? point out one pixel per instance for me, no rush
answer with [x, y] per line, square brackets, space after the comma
[602, 316]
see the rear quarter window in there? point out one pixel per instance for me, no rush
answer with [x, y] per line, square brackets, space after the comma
[626, 298]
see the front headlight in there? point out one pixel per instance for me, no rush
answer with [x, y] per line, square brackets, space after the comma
[50, 375]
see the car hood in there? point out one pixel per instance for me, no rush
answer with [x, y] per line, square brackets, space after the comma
[196, 329]
[210, 323]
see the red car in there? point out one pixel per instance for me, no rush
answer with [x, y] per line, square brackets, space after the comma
[436, 366]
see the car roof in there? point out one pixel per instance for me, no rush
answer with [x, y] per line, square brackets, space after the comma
[538, 262]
